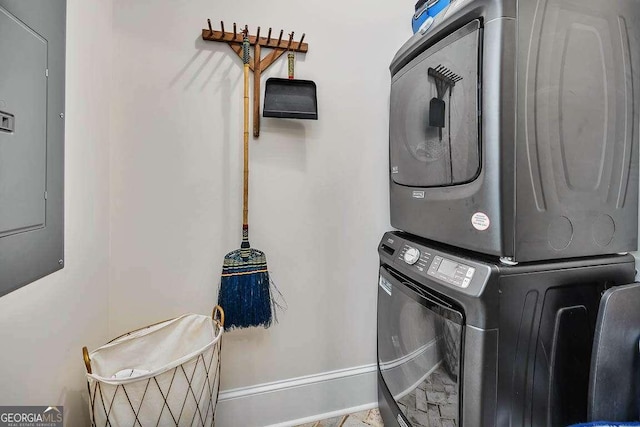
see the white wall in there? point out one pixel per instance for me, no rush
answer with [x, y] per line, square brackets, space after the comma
[319, 191]
[44, 325]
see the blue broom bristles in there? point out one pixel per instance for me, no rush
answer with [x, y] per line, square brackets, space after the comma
[245, 292]
[246, 300]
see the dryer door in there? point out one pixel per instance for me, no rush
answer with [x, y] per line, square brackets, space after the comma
[419, 350]
[433, 128]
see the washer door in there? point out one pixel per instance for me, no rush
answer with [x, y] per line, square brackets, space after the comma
[420, 337]
[434, 109]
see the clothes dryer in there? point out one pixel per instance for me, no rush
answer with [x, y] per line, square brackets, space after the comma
[514, 128]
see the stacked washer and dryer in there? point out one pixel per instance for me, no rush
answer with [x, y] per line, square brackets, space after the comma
[513, 149]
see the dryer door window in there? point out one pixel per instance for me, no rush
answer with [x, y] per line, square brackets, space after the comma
[433, 129]
[419, 350]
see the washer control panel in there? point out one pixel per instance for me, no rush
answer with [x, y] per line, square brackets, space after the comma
[413, 256]
[451, 271]
[437, 265]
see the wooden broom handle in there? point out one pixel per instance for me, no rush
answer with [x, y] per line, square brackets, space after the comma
[245, 194]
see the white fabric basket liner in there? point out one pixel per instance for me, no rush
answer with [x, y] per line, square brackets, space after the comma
[180, 359]
[157, 349]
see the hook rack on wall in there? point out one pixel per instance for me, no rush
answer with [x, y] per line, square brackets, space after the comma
[257, 64]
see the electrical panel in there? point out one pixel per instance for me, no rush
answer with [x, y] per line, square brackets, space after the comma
[32, 81]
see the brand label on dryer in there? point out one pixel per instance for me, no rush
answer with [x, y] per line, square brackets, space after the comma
[385, 284]
[480, 221]
[418, 194]
[394, 169]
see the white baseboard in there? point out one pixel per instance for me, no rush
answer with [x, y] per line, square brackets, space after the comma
[299, 400]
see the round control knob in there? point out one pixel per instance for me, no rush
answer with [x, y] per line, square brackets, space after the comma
[411, 256]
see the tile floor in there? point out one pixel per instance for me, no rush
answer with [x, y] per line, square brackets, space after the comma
[434, 403]
[369, 418]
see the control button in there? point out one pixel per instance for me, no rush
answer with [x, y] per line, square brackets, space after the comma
[466, 282]
[411, 256]
[470, 272]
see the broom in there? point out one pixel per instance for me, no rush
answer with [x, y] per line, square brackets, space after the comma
[245, 287]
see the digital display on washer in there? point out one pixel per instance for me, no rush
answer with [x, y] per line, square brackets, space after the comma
[448, 267]
[451, 272]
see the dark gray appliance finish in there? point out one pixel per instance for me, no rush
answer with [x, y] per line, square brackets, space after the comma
[511, 346]
[538, 155]
[614, 385]
[32, 86]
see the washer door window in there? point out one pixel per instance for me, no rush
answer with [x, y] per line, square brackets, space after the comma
[433, 129]
[419, 350]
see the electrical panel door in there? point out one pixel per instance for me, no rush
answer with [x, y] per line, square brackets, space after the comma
[32, 83]
[23, 137]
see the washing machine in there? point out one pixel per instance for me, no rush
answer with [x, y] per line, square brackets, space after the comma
[463, 340]
[514, 128]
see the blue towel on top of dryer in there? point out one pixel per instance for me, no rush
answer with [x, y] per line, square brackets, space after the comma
[426, 11]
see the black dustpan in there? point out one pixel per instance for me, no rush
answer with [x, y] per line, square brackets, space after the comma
[290, 98]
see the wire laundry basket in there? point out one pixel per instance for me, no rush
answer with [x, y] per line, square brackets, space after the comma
[165, 374]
